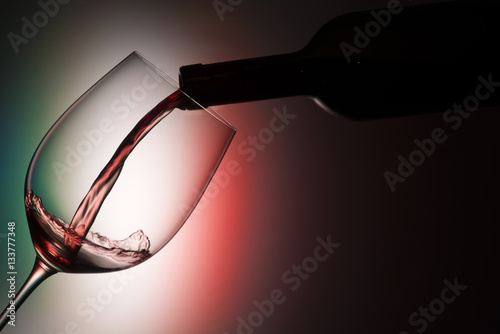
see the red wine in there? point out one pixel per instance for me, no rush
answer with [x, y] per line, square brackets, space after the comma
[95, 253]
[72, 247]
[88, 209]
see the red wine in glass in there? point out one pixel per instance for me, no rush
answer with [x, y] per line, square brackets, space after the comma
[157, 141]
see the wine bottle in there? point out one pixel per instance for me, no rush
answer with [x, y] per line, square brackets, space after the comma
[396, 61]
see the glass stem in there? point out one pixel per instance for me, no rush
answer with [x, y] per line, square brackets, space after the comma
[38, 274]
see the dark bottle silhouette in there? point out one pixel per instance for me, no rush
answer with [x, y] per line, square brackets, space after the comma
[383, 63]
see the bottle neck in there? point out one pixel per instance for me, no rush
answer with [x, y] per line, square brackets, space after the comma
[253, 79]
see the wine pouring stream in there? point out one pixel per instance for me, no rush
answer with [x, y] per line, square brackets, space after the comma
[424, 59]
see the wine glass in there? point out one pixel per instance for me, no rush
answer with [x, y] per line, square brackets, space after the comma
[118, 174]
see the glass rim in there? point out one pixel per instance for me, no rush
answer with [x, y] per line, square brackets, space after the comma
[167, 77]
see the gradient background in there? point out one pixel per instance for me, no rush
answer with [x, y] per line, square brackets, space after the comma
[323, 175]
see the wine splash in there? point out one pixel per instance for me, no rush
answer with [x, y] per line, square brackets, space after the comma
[94, 252]
[72, 247]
